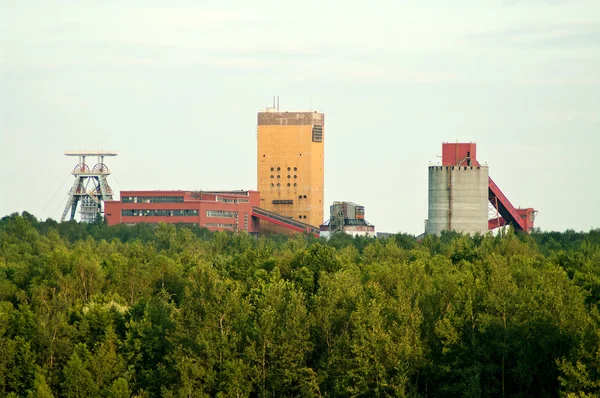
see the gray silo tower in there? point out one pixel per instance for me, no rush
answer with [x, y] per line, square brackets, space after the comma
[458, 192]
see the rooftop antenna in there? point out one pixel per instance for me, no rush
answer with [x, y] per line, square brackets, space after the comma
[277, 103]
[273, 101]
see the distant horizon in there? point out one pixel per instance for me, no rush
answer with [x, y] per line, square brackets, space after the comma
[377, 231]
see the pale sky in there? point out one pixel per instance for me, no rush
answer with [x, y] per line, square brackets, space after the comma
[174, 87]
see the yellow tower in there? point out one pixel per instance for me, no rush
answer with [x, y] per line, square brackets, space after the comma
[291, 164]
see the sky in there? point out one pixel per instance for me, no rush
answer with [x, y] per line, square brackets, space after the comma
[175, 87]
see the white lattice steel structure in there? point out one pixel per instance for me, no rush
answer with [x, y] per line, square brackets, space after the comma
[90, 186]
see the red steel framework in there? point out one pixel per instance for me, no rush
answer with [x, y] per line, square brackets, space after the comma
[285, 222]
[465, 154]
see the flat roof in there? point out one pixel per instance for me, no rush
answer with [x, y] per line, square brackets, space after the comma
[91, 153]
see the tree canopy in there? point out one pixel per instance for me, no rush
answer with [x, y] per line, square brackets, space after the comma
[88, 310]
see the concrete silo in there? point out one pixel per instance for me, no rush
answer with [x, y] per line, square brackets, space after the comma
[458, 192]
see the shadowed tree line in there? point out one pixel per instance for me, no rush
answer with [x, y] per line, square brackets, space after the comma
[88, 310]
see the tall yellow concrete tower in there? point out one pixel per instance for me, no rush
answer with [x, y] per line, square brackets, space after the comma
[291, 164]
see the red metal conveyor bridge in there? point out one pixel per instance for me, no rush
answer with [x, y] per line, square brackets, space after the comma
[284, 222]
[522, 219]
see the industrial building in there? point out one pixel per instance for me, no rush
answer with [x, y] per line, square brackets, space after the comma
[458, 194]
[349, 218]
[290, 172]
[462, 195]
[217, 211]
[290, 181]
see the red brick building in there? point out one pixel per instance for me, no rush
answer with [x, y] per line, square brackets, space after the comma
[215, 210]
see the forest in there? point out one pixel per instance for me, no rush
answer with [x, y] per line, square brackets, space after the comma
[88, 310]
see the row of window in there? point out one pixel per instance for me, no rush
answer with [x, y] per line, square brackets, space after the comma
[288, 169]
[152, 199]
[176, 213]
[159, 213]
[219, 225]
[278, 184]
[231, 200]
[278, 176]
[221, 213]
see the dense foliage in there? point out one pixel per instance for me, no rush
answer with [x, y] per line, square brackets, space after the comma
[98, 311]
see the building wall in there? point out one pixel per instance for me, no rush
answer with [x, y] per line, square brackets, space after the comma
[458, 199]
[352, 231]
[455, 153]
[286, 150]
[212, 210]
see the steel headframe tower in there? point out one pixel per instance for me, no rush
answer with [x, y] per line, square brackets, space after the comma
[90, 186]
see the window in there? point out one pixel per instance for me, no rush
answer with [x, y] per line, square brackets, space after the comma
[289, 184]
[295, 169]
[317, 133]
[272, 168]
[295, 176]
[289, 176]
[283, 202]
[289, 169]
[221, 213]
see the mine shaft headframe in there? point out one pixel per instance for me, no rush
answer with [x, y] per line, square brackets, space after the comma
[90, 187]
